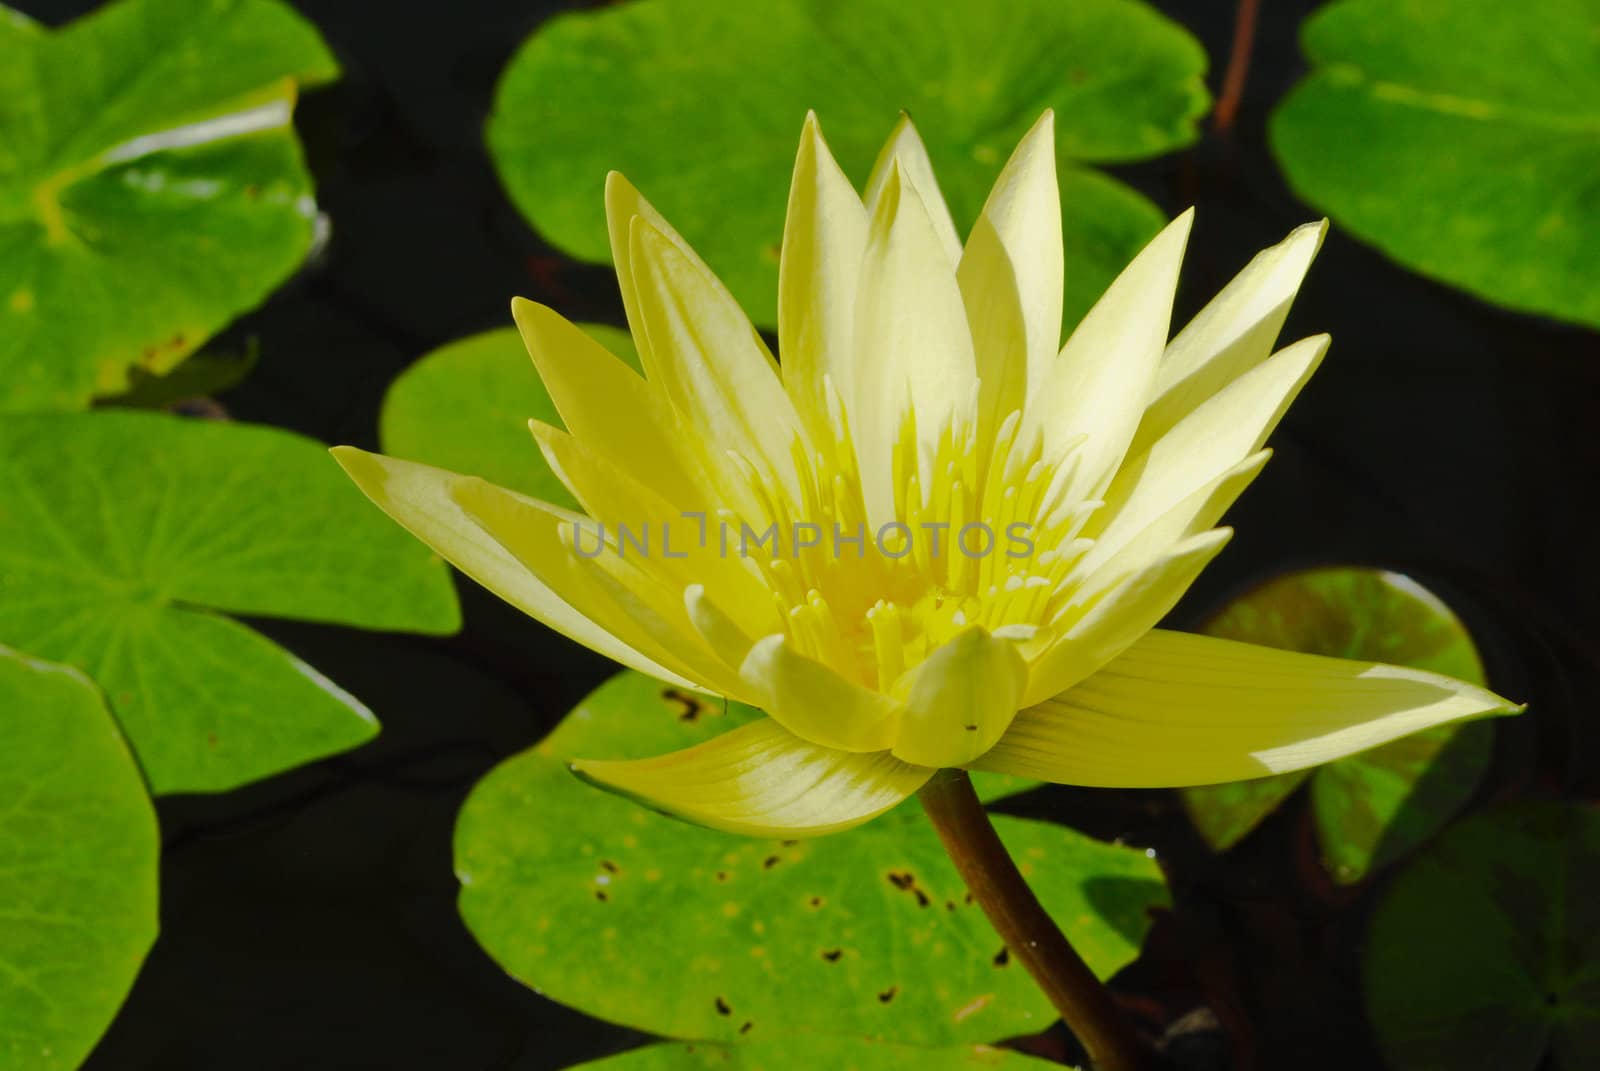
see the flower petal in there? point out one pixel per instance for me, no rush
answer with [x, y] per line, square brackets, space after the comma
[672, 545]
[916, 170]
[606, 404]
[1011, 275]
[708, 360]
[960, 699]
[824, 237]
[762, 780]
[815, 702]
[1176, 709]
[912, 341]
[609, 587]
[1213, 438]
[623, 203]
[1232, 334]
[419, 498]
[1101, 382]
[1124, 546]
[1103, 621]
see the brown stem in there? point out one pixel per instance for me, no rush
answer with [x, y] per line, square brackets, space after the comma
[994, 881]
[1233, 79]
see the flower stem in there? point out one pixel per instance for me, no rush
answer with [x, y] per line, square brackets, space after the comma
[994, 881]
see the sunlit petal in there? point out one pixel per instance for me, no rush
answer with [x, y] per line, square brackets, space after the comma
[1233, 333]
[1176, 709]
[824, 238]
[1011, 275]
[816, 703]
[1102, 622]
[960, 699]
[905, 150]
[419, 498]
[764, 781]
[1100, 383]
[912, 342]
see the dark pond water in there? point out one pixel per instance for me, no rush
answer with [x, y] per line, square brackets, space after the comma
[309, 921]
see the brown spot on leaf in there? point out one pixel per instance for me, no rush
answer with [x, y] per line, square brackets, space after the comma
[691, 706]
[722, 875]
[816, 901]
[723, 1007]
[744, 1027]
[608, 866]
[888, 994]
[769, 862]
[601, 895]
[1002, 957]
[832, 954]
[906, 881]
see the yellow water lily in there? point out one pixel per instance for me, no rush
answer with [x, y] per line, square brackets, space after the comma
[933, 537]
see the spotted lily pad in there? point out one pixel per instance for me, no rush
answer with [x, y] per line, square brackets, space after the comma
[712, 143]
[1485, 953]
[79, 863]
[125, 536]
[810, 1053]
[653, 923]
[1373, 807]
[1474, 161]
[151, 187]
[465, 407]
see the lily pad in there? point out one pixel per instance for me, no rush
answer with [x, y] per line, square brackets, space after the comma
[667, 927]
[810, 1053]
[124, 535]
[1373, 807]
[1503, 906]
[151, 187]
[79, 863]
[465, 407]
[1473, 163]
[712, 143]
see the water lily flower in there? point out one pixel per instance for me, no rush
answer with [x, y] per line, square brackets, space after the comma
[924, 408]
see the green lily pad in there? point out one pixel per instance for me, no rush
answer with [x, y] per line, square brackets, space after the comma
[1374, 807]
[466, 406]
[79, 863]
[810, 1053]
[124, 533]
[712, 143]
[151, 187]
[1485, 953]
[1473, 163]
[647, 921]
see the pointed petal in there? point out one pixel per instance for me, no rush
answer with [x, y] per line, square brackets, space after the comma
[824, 237]
[1217, 435]
[1177, 709]
[912, 340]
[606, 404]
[762, 780]
[960, 699]
[1232, 334]
[1125, 546]
[707, 358]
[675, 547]
[1101, 382]
[815, 702]
[609, 588]
[1012, 267]
[419, 498]
[916, 170]
[623, 203]
[1102, 623]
